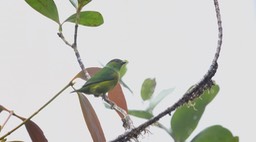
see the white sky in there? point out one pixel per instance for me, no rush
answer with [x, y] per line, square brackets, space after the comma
[173, 41]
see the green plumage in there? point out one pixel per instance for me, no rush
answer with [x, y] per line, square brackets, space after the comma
[104, 80]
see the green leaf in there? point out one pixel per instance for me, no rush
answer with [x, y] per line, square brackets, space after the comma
[148, 88]
[141, 114]
[185, 118]
[156, 100]
[74, 3]
[45, 7]
[215, 133]
[87, 18]
[82, 3]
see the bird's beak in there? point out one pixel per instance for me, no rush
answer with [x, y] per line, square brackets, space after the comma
[124, 62]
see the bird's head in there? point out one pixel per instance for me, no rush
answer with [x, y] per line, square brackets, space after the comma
[116, 64]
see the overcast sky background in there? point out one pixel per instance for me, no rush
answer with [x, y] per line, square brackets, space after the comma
[173, 41]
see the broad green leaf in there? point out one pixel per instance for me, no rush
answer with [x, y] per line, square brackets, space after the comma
[141, 114]
[148, 88]
[87, 18]
[45, 7]
[156, 100]
[215, 133]
[185, 118]
[74, 3]
[91, 119]
[82, 3]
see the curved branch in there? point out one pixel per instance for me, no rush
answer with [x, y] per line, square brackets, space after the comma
[190, 95]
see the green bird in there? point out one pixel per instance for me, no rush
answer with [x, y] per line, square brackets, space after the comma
[104, 80]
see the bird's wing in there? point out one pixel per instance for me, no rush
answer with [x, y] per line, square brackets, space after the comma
[106, 74]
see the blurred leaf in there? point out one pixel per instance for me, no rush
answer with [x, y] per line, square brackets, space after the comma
[185, 119]
[156, 100]
[117, 96]
[87, 18]
[82, 3]
[34, 131]
[141, 114]
[45, 7]
[125, 85]
[91, 119]
[3, 140]
[148, 88]
[215, 133]
[74, 3]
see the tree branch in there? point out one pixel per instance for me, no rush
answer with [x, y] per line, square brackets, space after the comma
[190, 95]
[127, 121]
[35, 113]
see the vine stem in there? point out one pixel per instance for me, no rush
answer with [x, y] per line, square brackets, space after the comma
[35, 113]
[190, 95]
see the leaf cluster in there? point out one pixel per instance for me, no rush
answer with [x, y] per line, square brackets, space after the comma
[186, 118]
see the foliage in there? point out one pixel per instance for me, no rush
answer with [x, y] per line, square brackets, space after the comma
[183, 122]
[186, 118]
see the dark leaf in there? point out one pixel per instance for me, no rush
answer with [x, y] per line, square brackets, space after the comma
[117, 96]
[34, 131]
[45, 7]
[185, 118]
[87, 18]
[215, 133]
[141, 114]
[91, 119]
[148, 88]
[2, 108]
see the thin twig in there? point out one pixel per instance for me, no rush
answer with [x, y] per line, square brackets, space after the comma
[60, 34]
[7, 119]
[35, 113]
[190, 95]
[74, 46]
[78, 57]
[127, 122]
